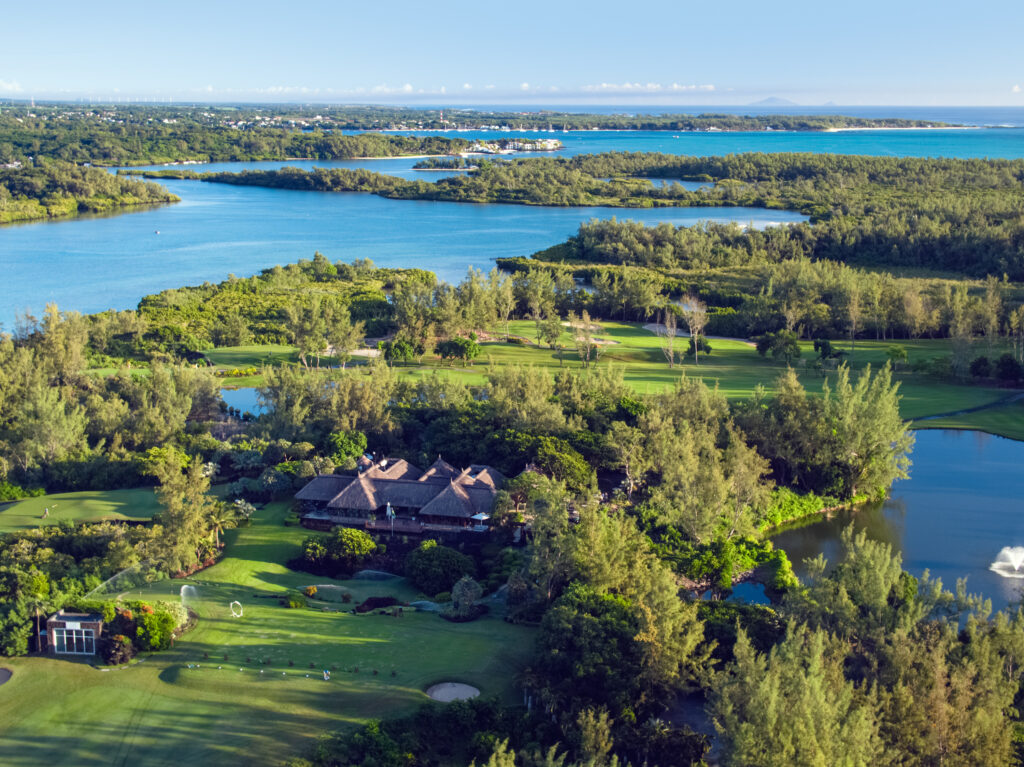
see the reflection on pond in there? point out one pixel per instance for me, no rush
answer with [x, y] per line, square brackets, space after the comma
[243, 400]
[960, 508]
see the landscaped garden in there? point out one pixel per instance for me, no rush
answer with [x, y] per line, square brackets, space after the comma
[251, 685]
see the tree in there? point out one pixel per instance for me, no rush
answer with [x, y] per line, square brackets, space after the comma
[465, 594]
[503, 295]
[346, 447]
[793, 706]
[433, 568]
[221, 517]
[852, 299]
[695, 312]
[398, 350]
[897, 355]
[550, 330]
[627, 444]
[308, 330]
[871, 439]
[186, 505]
[343, 335]
[782, 345]
[1008, 369]
[981, 367]
[458, 348]
[669, 325]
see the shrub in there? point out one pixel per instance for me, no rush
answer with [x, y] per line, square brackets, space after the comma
[1008, 369]
[343, 550]
[374, 603]
[119, 649]
[981, 367]
[11, 492]
[155, 630]
[295, 602]
[309, 591]
[464, 596]
[458, 349]
[433, 568]
[443, 596]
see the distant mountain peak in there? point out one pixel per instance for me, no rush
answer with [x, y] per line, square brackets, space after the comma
[774, 101]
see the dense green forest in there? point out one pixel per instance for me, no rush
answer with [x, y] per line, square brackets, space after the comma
[56, 189]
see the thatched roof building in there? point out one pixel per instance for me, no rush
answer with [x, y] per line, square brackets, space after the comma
[442, 498]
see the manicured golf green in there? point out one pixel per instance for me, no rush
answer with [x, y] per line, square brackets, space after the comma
[83, 506]
[160, 711]
[733, 366]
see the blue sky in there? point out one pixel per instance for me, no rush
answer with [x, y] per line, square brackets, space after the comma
[895, 52]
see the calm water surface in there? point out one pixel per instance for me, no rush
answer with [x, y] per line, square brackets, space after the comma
[91, 264]
[963, 503]
[111, 262]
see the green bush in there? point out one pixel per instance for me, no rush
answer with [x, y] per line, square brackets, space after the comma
[12, 492]
[786, 506]
[433, 568]
[155, 630]
[295, 601]
[443, 596]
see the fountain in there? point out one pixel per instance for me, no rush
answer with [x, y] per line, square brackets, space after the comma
[1009, 561]
[187, 593]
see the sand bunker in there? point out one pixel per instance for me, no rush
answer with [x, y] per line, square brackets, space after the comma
[446, 692]
[5, 674]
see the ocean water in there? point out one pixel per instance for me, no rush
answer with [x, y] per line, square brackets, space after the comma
[94, 263]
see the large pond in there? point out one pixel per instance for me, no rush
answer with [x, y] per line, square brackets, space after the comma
[963, 503]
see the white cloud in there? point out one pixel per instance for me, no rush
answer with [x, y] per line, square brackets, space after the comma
[644, 88]
[9, 86]
[488, 87]
[1014, 89]
[524, 87]
[467, 87]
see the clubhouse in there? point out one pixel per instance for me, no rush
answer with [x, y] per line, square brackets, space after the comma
[395, 495]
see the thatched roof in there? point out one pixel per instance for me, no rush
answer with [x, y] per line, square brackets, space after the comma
[440, 469]
[441, 491]
[400, 469]
[478, 474]
[323, 488]
[482, 499]
[453, 501]
[360, 494]
[405, 492]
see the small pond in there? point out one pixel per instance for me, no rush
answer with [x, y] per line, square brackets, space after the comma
[963, 503]
[244, 400]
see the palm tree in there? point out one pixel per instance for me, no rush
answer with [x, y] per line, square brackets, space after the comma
[222, 517]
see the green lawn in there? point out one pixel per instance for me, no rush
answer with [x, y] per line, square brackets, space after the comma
[734, 366]
[1005, 421]
[161, 712]
[84, 506]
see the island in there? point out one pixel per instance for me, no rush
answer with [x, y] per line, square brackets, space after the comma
[54, 189]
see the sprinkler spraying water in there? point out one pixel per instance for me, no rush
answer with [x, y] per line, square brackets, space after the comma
[1009, 562]
[188, 593]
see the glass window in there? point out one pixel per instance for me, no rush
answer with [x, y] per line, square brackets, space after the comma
[75, 641]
